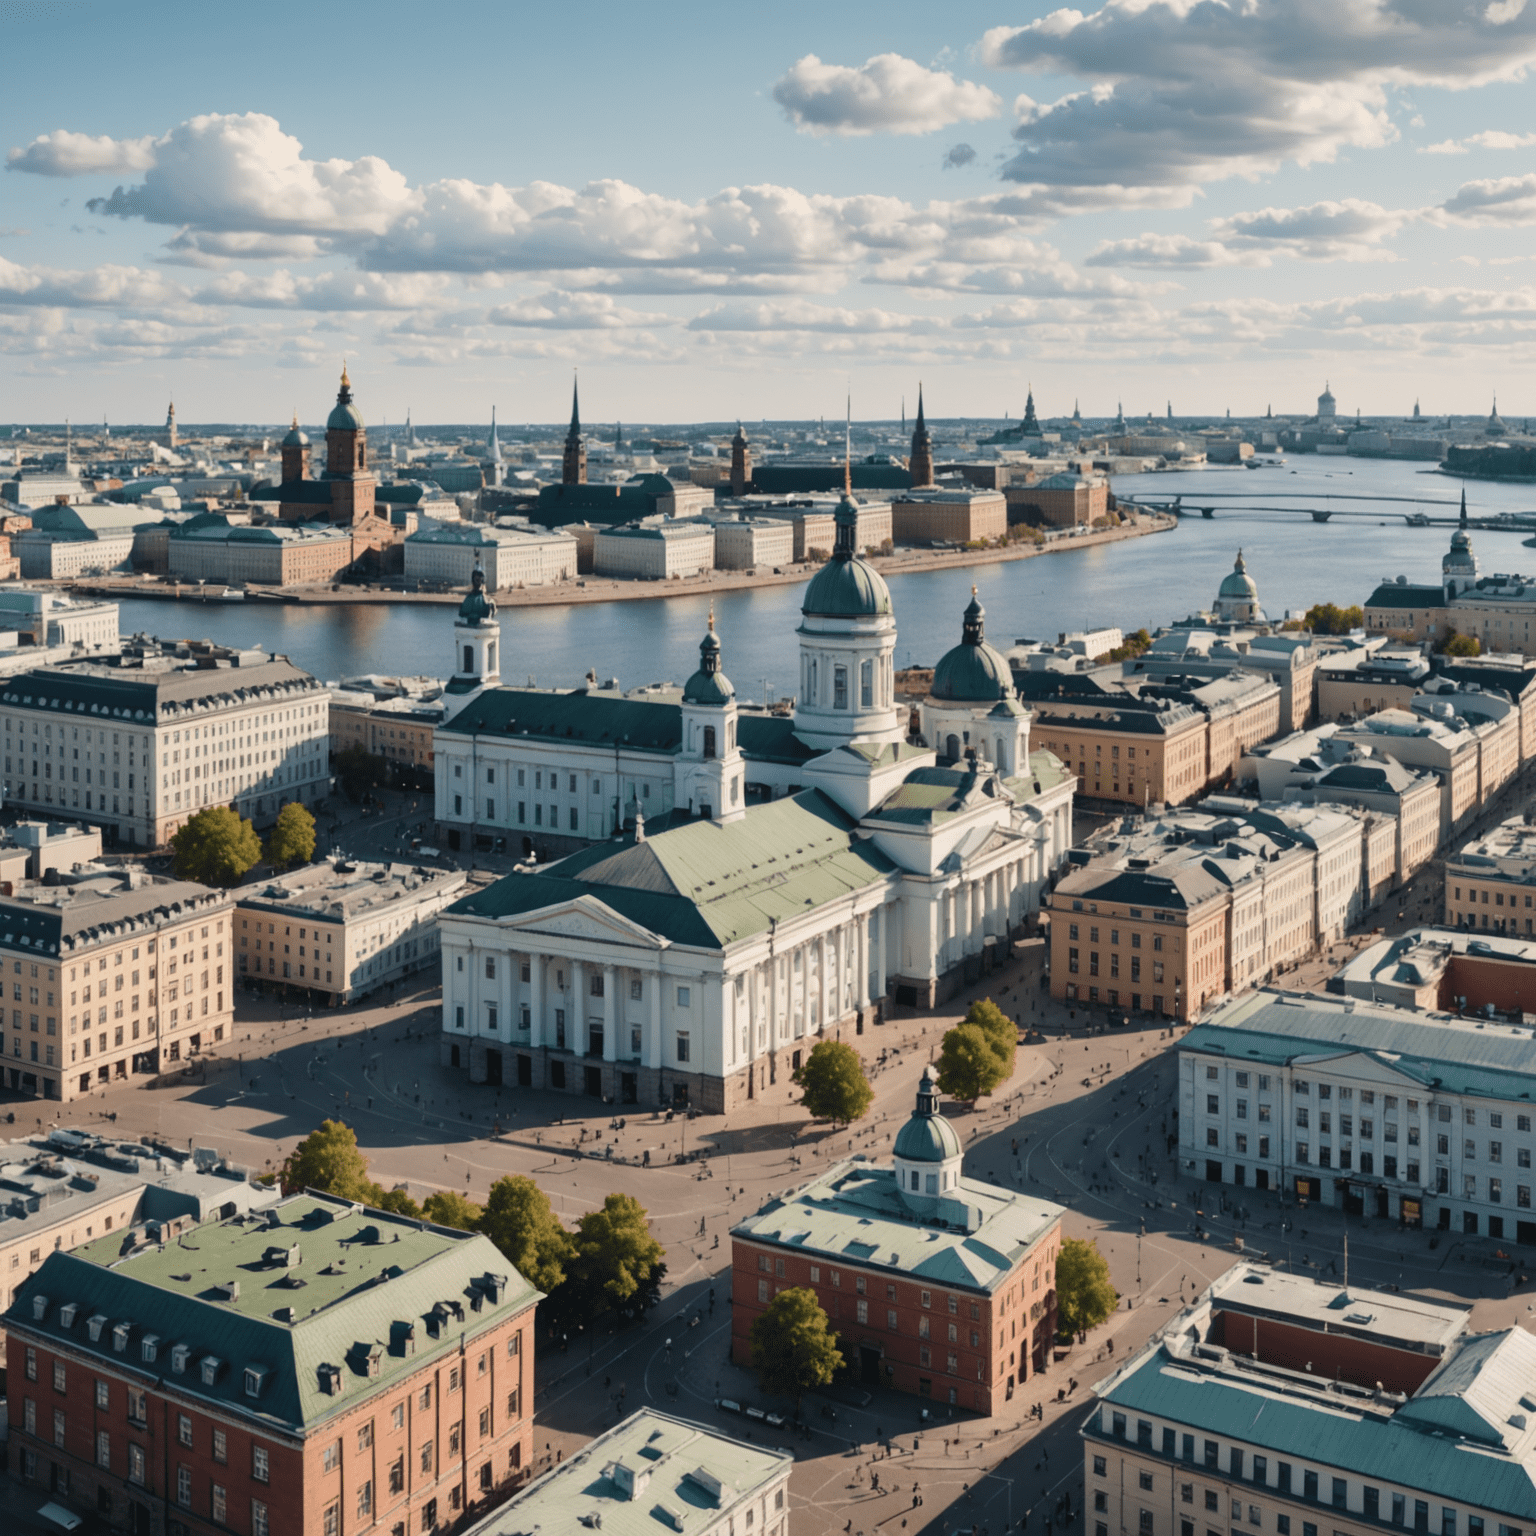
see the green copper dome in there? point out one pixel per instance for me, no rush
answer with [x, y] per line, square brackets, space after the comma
[927, 1137]
[846, 587]
[295, 437]
[973, 672]
[477, 608]
[709, 685]
[345, 417]
[1239, 586]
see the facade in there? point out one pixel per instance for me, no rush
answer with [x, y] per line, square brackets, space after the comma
[654, 550]
[652, 1468]
[936, 1284]
[1059, 501]
[1491, 881]
[220, 1407]
[1295, 1405]
[400, 730]
[1365, 679]
[1425, 1121]
[847, 863]
[1190, 654]
[510, 557]
[142, 962]
[51, 619]
[185, 727]
[1441, 744]
[209, 548]
[933, 516]
[341, 930]
[1463, 971]
[744, 542]
[1130, 750]
[50, 555]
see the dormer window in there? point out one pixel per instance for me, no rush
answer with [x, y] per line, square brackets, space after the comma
[256, 1375]
[180, 1354]
[211, 1365]
[120, 1336]
[39, 1308]
[68, 1313]
[330, 1380]
[94, 1326]
[149, 1347]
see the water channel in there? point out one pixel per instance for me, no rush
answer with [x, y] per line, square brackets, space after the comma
[1147, 581]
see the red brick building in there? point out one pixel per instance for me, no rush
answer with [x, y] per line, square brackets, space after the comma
[936, 1284]
[313, 1370]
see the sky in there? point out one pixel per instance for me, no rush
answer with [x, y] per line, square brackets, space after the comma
[719, 211]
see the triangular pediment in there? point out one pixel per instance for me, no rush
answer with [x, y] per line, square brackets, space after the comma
[1361, 1066]
[588, 920]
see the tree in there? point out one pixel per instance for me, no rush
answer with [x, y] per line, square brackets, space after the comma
[1330, 619]
[969, 1065]
[793, 1348]
[618, 1264]
[1456, 644]
[1134, 646]
[327, 1159]
[292, 840]
[215, 847]
[448, 1208]
[1084, 1296]
[359, 770]
[832, 1083]
[519, 1219]
[1001, 1032]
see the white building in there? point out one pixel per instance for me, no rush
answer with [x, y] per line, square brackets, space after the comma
[654, 550]
[51, 619]
[510, 557]
[744, 542]
[340, 929]
[697, 963]
[139, 743]
[1420, 1119]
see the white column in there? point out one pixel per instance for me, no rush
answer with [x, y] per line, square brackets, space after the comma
[610, 1013]
[576, 1017]
[882, 967]
[654, 983]
[775, 1029]
[822, 948]
[861, 960]
[536, 965]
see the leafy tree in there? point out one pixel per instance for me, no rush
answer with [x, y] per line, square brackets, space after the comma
[1135, 645]
[1460, 645]
[1001, 1032]
[793, 1348]
[618, 1264]
[1084, 1295]
[450, 1209]
[215, 847]
[328, 1159]
[518, 1218]
[292, 840]
[969, 1064]
[832, 1083]
[1330, 619]
[396, 1201]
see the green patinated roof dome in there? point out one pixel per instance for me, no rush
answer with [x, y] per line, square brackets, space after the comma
[476, 607]
[1239, 584]
[846, 589]
[927, 1137]
[345, 417]
[973, 672]
[709, 685]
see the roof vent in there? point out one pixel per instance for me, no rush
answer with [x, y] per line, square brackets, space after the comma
[330, 1380]
[709, 1483]
[228, 1290]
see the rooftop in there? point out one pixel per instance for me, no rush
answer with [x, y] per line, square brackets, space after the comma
[629, 1480]
[1507, 852]
[339, 892]
[854, 1211]
[311, 1285]
[95, 905]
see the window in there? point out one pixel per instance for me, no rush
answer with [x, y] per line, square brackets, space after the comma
[183, 1429]
[365, 1500]
[259, 1526]
[184, 1487]
[259, 1466]
[220, 1446]
[330, 1458]
[103, 1449]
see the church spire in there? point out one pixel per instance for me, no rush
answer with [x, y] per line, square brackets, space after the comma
[573, 464]
[920, 463]
[574, 430]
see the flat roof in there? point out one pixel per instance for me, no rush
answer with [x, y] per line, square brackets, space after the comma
[624, 1479]
[336, 892]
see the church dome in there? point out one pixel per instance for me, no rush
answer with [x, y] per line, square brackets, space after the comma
[295, 438]
[477, 608]
[344, 417]
[846, 587]
[973, 672]
[927, 1137]
[1239, 586]
[1461, 552]
[709, 685]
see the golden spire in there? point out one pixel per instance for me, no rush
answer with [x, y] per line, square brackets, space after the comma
[295, 418]
[711, 615]
[346, 383]
[973, 589]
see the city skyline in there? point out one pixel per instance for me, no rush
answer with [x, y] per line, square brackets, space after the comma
[1223, 206]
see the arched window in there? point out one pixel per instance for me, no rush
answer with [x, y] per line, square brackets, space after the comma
[866, 684]
[709, 741]
[490, 657]
[839, 687]
[469, 658]
[952, 747]
[999, 758]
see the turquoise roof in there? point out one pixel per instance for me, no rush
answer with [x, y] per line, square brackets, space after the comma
[295, 438]
[973, 672]
[846, 588]
[927, 1139]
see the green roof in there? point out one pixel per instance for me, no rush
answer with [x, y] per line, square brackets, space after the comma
[846, 588]
[365, 1278]
[1393, 594]
[707, 884]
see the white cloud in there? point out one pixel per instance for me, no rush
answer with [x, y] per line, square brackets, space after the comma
[800, 316]
[1489, 138]
[63, 153]
[557, 311]
[886, 94]
[100, 287]
[1186, 92]
[330, 292]
[1347, 230]
[1172, 252]
[1503, 200]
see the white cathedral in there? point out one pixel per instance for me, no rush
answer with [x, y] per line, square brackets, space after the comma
[739, 884]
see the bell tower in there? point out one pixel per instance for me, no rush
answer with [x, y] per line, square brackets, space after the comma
[709, 776]
[573, 464]
[741, 463]
[346, 459]
[476, 648]
[921, 461]
[295, 453]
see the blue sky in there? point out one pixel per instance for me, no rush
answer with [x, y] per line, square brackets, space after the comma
[719, 210]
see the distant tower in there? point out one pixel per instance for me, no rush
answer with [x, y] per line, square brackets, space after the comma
[476, 642]
[921, 462]
[346, 459]
[1170, 411]
[1237, 599]
[1119, 416]
[1077, 415]
[172, 437]
[1416, 410]
[618, 435]
[1495, 426]
[1327, 406]
[741, 463]
[1459, 569]
[295, 453]
[573, 465]
[493, 442]
[1030, 426]
[709, 776]
[1269, 413]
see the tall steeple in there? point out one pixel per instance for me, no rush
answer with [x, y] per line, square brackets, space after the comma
[493, 443]
[921, 461]
[573, 465]
[741, 463]
[1029, 427]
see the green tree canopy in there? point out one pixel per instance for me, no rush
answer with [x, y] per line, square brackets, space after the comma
[1134, 645]
[448, 1208]
[292, 840]
[1330, 619]
[1001, 1032]
[1084, 1295]
[969, 1064]
[1456, 644]
[618, 1264]
[832, 1083]
[328, 1160]
[793, 1347]
[518, 1218]
[215, 847]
